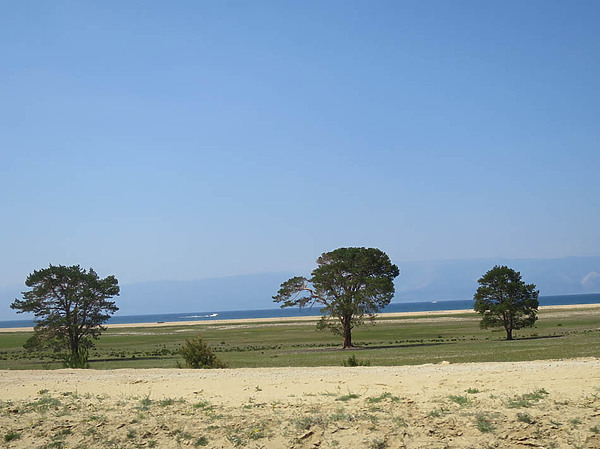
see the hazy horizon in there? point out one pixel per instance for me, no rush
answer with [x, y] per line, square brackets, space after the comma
[418, 281]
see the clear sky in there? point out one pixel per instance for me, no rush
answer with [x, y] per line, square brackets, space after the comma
[192, 139]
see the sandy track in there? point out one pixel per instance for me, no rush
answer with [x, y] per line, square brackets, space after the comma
[521, 404]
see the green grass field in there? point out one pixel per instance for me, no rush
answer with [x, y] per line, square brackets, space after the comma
[392, 341]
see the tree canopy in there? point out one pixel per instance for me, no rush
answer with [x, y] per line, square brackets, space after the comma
[504, 300]
[349, 283]
[70, 305]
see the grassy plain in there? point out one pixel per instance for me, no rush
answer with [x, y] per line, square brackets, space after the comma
[409, 340]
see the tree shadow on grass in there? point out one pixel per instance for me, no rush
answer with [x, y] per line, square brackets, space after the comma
[518, 339]
[539, 337]
[376, 347]
[132, 359]
[406, 345]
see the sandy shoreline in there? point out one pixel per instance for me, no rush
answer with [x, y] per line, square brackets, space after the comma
[500, 405]
[431, 313]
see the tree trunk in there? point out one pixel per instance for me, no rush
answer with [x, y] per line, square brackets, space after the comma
[347, 341]
[347, 333]
[508, 324]
[74, 342]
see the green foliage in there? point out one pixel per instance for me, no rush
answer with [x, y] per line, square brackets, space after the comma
[524, 417]
[382, 397]
[145, 404]
[77, 359]
[575, 422]
[202, 405]
[341, 415]
[399, 421]
[167, 402]
[43, 404]
[536, 395]
[463, 401]
[527, 399]
[484, 423]
[349, 283]
[436, 413]
[353, 361]
[70, 305]
[378, 443]
[197, 354]
[56, 445]
[257, 434]
[504, 300]
[202, 441]
[347, 397]
[307, 422]
[11, 436]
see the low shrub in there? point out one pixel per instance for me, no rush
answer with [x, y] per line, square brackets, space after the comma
[353, 361]
[484, 423]
[11, 436]
[197, 354]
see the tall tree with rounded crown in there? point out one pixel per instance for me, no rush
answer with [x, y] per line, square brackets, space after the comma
[349, 283]
[70, 305]
[504, 300]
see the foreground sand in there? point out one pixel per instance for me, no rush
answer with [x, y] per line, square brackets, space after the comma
[550, 404]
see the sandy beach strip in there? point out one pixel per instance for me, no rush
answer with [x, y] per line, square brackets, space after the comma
[235, 385]
[310, 319]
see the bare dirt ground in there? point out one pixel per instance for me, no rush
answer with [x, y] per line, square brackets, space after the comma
[540, 404]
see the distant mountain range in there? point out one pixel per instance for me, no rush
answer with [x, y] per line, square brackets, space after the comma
[457, 279]
[418, 281]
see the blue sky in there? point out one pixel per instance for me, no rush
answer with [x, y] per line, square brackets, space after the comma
[194, 139]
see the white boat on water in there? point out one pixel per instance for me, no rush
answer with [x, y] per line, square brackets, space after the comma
[211, 315]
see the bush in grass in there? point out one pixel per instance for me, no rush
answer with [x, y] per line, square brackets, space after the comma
[353, 361]
[197, 354]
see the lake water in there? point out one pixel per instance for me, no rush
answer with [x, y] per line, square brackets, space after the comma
[295, 312]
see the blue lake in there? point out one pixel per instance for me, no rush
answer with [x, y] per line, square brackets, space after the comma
[294, 312]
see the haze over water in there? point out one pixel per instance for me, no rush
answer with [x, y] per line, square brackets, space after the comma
[294, 312]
